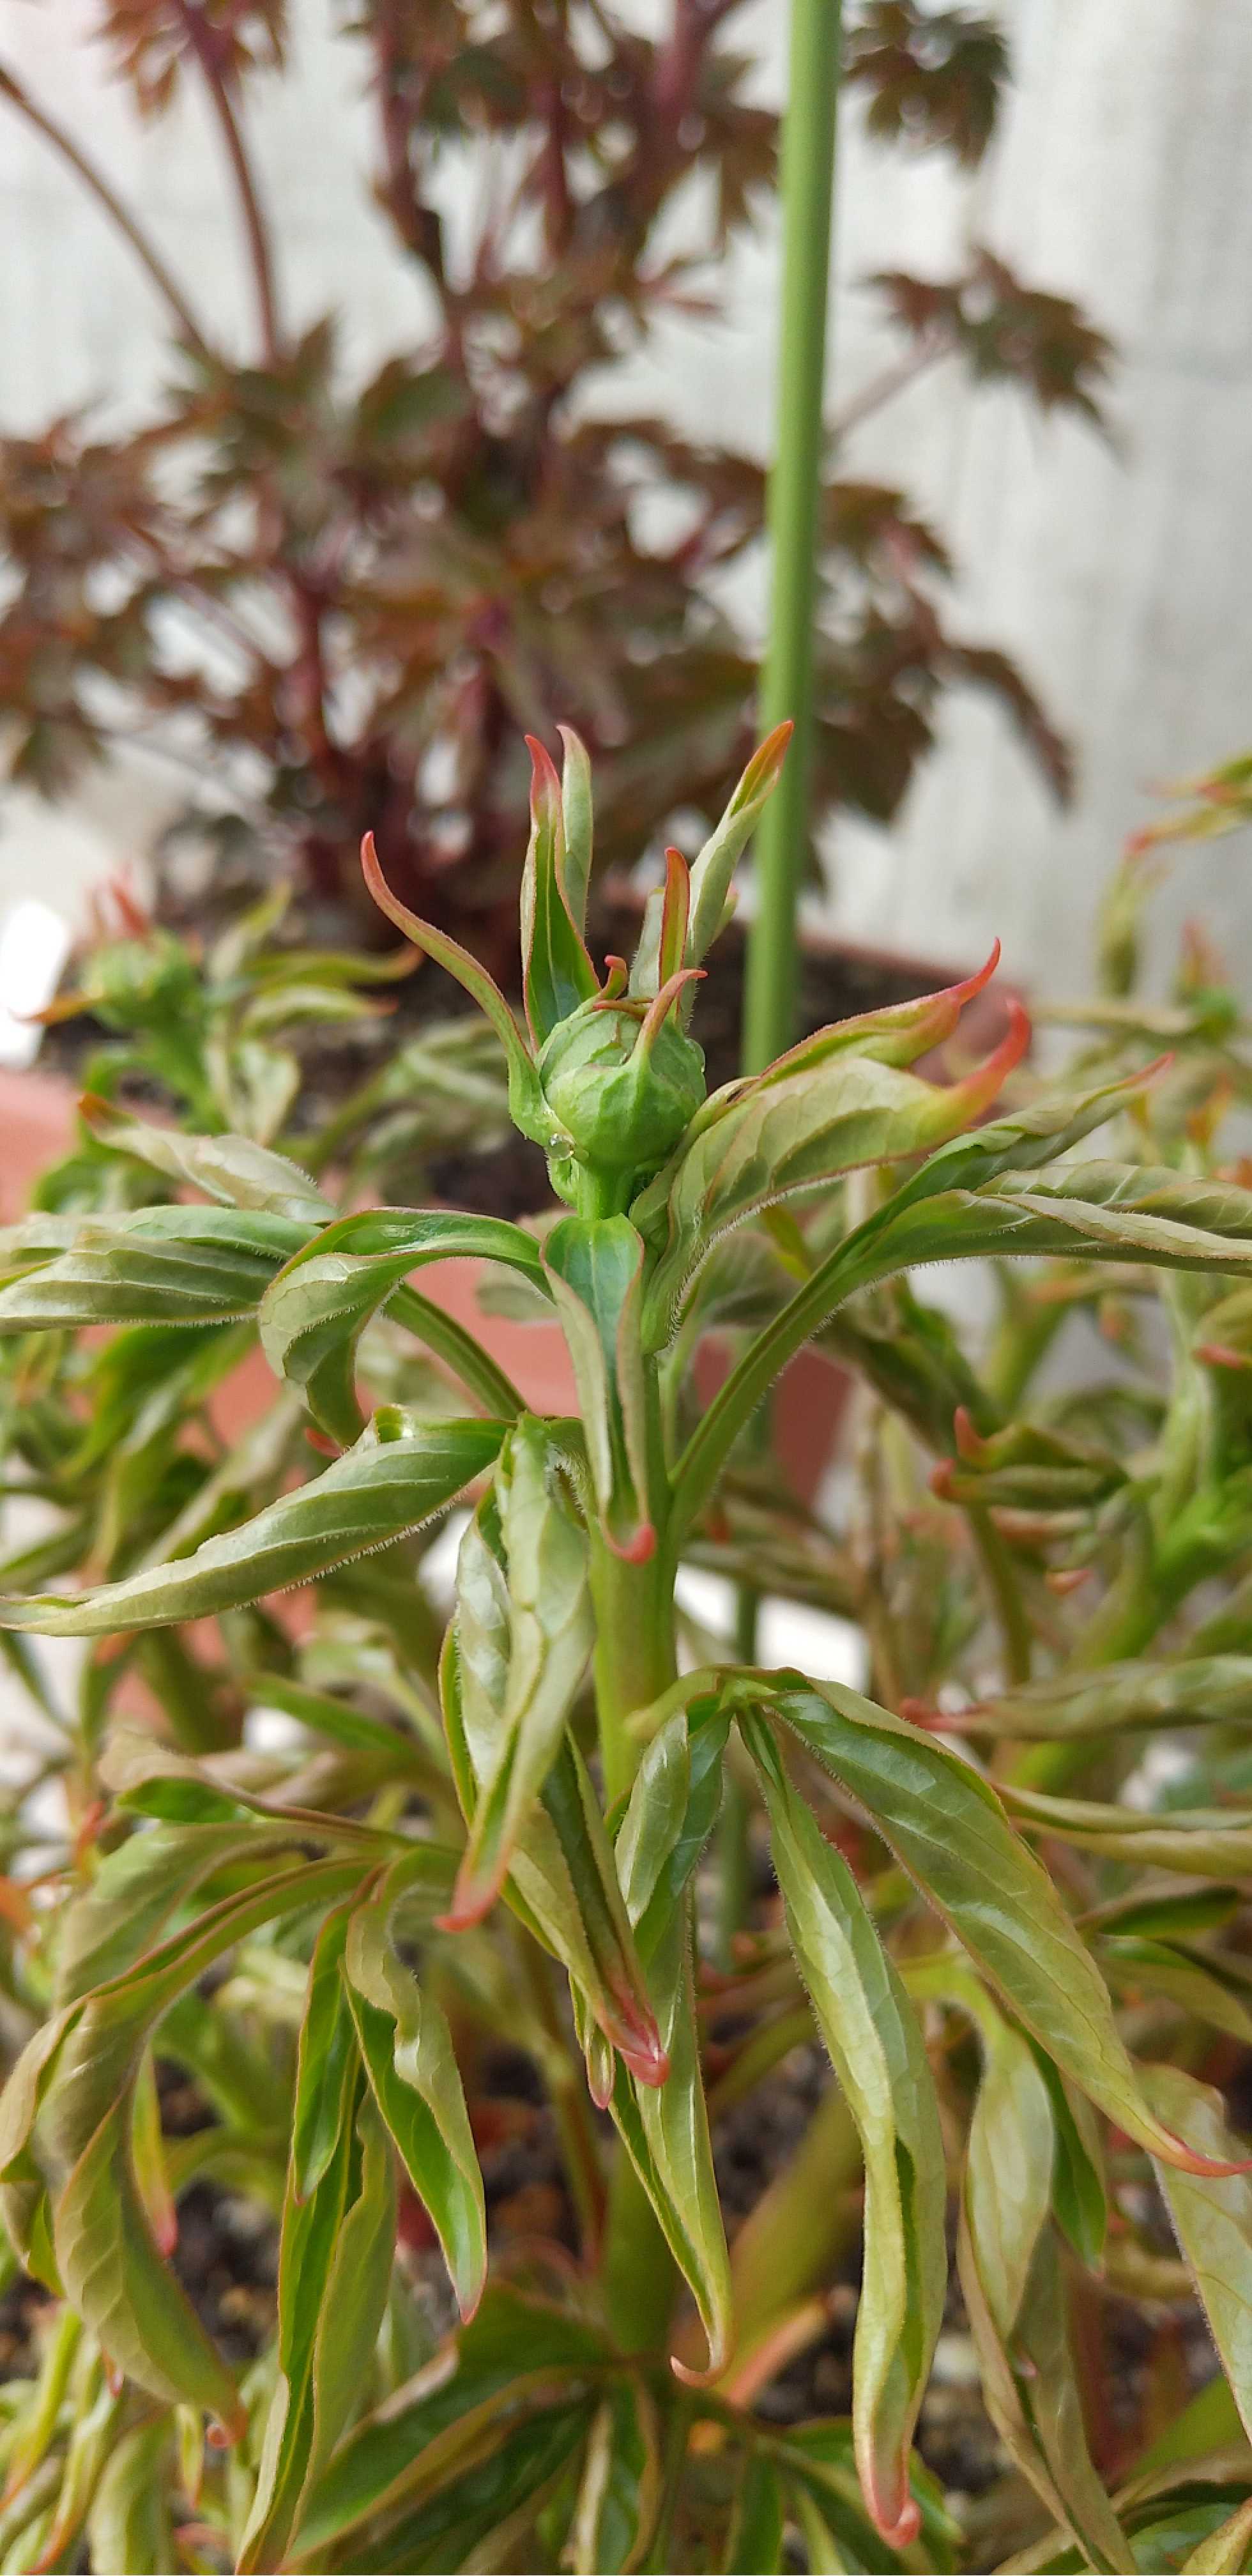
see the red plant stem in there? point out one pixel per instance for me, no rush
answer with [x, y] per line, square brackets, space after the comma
[110, 204]
[883, 387]
[208, 54]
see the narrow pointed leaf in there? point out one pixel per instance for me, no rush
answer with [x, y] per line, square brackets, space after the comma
[1032, 2398]
[399, 1474]
[562, 1880]
[407, 2049]
[788, 1132]
[557, 972]
[334, 2271]
[1213, 2222]
[1008, 2174]
[233, 1169]
[326, 2059]
[620, 2487]
[876, 2048]
[550, 1634]
[527, 1106]
[949, 1831]
[665, 2129]
[519, 2358]
[136, 1889]
[576, 824]
[755, 2539]
[166, 1265]
[1203, 1690]
[715, 865]
[105, 2250]
[1202, 1842]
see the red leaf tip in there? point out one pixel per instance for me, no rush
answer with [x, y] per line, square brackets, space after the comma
[545, 784]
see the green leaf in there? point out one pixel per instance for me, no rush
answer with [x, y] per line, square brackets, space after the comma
[576, 824]
[407, 2048]
[519, 2360]
[620, 2488]
[316, 1310]
[1208, 1690]
[754, 2541]
[1203, 1842]
[1032, 2398]
[543, 1583]
[665, 2129]
[232, 1169]
[1196, 1981]
[129, 2522]
[1223, 2552]
[714, 867]
[875, 2046]
[166, 1265]
[820, 2457]
[595, 1270]
[77, 2080]
[790, 1130]
[138, 1886]
[334, 2273]
[915, 1224]
[557, 973]
[1008, 2172]
[562, 1879]
[399, 1474]
[949, 1831]
[1203, 1204]
[1021, 1142]
[670, 1814]
[1213, 2221]
[501, 2493]
[337, 1719]
[1018, 1216]
[527, 1107]
[326, 2061]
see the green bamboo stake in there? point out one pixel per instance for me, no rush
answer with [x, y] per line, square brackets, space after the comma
[807, 188]
[807, 182]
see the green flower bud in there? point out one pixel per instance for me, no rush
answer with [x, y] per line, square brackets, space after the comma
[624, 1091]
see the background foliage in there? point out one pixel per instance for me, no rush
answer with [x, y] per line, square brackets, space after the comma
[335, 606]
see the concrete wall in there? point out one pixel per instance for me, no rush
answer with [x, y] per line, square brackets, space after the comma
[1119, 577]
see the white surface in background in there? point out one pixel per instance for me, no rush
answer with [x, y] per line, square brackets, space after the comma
[34, 944]
[1121, 574]
[788, 1632]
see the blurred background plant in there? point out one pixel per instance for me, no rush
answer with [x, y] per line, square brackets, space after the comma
[335, 605]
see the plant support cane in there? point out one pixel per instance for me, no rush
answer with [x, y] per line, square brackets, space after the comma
[795, 482]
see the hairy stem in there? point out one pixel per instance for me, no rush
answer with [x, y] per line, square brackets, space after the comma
[635, 1657]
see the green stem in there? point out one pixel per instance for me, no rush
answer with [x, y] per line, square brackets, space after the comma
[1001, 1574]
[635, 1658]
[807, 182]
[733, 1853]
[459, 1351]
